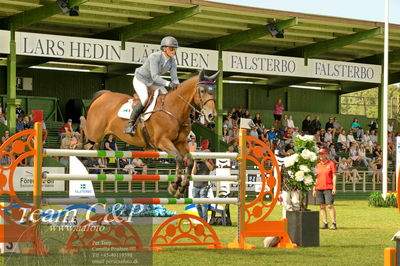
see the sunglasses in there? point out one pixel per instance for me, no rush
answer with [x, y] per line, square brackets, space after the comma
[172, 49]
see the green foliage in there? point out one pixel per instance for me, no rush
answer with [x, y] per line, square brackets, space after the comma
[376, 199]
[366, 102]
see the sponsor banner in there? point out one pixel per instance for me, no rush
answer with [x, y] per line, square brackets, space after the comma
[23, 179]
[58, 46]
[295, 66]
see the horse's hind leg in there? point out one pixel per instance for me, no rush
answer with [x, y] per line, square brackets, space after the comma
[167, 146]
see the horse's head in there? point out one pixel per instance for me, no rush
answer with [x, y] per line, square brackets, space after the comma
[205, 95]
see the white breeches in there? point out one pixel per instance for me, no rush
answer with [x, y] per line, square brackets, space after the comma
[141, 90]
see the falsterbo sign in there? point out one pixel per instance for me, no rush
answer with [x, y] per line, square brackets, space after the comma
[57, 46]
[294, 66]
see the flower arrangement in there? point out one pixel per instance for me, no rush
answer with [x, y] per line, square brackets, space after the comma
[300, 166]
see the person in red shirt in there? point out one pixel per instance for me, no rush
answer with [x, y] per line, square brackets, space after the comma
[325, 188]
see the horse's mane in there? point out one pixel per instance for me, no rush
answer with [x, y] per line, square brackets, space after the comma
[96, 95]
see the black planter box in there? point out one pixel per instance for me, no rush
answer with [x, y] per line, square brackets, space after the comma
[304, 227]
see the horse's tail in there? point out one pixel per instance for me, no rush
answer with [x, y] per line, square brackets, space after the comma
[96, 95]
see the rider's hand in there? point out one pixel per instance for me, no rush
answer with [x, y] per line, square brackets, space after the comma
[173, 85]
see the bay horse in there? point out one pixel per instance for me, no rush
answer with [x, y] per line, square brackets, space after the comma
[167, 128]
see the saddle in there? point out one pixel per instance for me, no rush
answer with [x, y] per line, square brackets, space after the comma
[126, 109]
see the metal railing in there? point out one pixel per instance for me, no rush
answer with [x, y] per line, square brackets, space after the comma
[366, 184]
[370, 102]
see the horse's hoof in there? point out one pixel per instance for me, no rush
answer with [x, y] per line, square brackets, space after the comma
[172, 190]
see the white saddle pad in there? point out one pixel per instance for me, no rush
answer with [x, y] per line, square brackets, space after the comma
[126, 109]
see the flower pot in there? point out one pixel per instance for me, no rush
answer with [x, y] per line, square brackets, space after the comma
[304, 227]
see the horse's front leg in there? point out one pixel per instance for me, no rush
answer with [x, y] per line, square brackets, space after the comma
[187, 158]
[167, 146]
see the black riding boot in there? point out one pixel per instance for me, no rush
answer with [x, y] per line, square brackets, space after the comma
[130, 127]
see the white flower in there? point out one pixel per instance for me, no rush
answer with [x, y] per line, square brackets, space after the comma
[289, 161]
[306, 154]
[299, 176]
[313, 157]
[304, 168]
[308, 137]
[295, 157]
[308, 180]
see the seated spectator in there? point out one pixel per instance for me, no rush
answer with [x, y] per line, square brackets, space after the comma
[366, 141]
[139, 166]
[253, 130]
[328, 135]
[228, 124]
[355, 176]
[273, 137]
[234, 133]
[67, 127]
[66, 141]
[19, 124]
[353, 153]
[5, 137]
[27, 122]
[317, 137]
[296, 132]
[390, 127]
[377, 152]
[257, 121]
[239, 113]
[350, 137]
[19, 112]
[235, 146]
[373, 137]
[336, 125]
[288, 136]
[264, 135]
[375, 167]
[329, 124]
[357, 129]
[3, 117]
[93, 163]
[342, 140]
[225, 134]
[246, 114]
[362, 153]
[281, 149]
[344, 169]
[289, 148]
[290, 122]
[373, 125]
[391, 142]
[285, 122]
[332, 155]
[322, 135]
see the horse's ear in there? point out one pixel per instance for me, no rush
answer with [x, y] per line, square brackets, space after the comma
[215, 76]
[201, 74]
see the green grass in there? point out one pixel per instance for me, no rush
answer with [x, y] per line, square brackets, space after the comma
[363, 232]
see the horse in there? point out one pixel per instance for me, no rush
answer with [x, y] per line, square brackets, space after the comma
[167, 128]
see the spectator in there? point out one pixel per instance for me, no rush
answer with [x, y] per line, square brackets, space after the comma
[232, 113]
[225, 134]
[27, 122]
[67, 127]
[329, 124]
[357, 129]
[192, 145]
[5, 137]
[373, 137]
[296, 132]
[353, 153]
[290, 122]
[246, 114]
[373, 125]
[66, 141]
[3, 117]
[317, 137]
[257, 121]
[362, 152]
[342, 140]
[376, 167]
[239, 113]
[272, 137]
[344, 169]
[94, 164]
[390, 127]
[200, 188]
[264, 136]
[139, 166]
[306, 125]
[377, 152]
[350, 137]
[336, 125]
[332, 154]
[253, 130]
[111, 145]
[285, 123]
[366, 141]
[325, 188]
[328, 135]
[278, 111]
[288, 136]
[315, 125]
[322, 135]
[19, 112]
[19, 125]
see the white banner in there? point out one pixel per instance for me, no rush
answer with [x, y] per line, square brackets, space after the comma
[58, 46]
[294, 66]
[23, 179]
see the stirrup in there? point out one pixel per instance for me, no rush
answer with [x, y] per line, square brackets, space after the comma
[130, 128]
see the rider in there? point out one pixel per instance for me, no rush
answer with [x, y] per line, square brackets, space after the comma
[149, 76]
